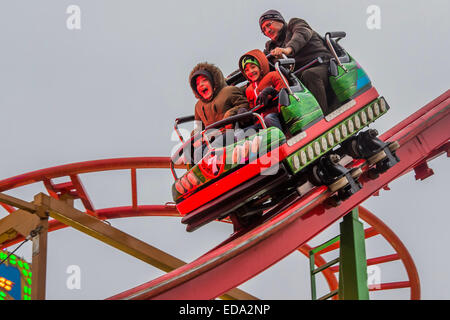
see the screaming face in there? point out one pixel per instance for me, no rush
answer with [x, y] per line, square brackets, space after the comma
[204, 87]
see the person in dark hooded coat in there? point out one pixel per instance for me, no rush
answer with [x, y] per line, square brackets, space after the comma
[216, 100]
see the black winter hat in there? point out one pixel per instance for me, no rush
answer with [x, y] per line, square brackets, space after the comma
[271, 15]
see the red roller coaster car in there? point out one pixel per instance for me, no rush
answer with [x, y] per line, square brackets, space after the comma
[251, 175]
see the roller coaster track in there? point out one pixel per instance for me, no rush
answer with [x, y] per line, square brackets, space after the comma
[422, 136]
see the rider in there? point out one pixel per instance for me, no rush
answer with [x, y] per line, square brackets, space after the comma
[216, 101]
[298, 40]
[263, 84]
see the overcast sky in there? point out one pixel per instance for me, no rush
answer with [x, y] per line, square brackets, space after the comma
[113, 87]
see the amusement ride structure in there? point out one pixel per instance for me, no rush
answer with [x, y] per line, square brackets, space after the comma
[422, 136]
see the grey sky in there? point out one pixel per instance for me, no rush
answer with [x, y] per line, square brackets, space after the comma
[113, 88]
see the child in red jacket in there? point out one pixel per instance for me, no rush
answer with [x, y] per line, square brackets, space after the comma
[263, 84]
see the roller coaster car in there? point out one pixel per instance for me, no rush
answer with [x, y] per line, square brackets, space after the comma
[246, 177]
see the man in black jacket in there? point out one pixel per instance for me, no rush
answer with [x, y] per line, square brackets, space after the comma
[298, 40]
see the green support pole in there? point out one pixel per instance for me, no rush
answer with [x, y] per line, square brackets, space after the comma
[353, 263]
[313, 278]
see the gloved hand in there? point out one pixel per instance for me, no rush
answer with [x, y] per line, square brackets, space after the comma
[242, 110]
[245, 122]
[230, 113]
[266, 96]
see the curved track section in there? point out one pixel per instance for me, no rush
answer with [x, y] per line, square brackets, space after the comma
[422, 136]
[76, 190]
[376, 227]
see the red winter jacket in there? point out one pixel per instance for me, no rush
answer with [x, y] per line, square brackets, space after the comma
[267, 79]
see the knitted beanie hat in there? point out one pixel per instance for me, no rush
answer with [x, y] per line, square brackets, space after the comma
[271, 15]
[249, 59]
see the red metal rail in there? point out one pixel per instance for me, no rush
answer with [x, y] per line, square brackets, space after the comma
[421, 135]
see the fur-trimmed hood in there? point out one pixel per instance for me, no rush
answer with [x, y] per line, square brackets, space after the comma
[217, 75]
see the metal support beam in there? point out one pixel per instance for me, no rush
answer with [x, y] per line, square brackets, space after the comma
[34, 216]
[18, 203]
[96, 228]
[39, 262]
[423, 171]
[353, 264]
[19, 221]
[39, 253]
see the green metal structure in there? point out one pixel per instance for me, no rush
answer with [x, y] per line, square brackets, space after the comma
[352, 261]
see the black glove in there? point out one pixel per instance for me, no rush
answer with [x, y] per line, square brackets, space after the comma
[266, 96]
[242, 110]
[245, 122]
